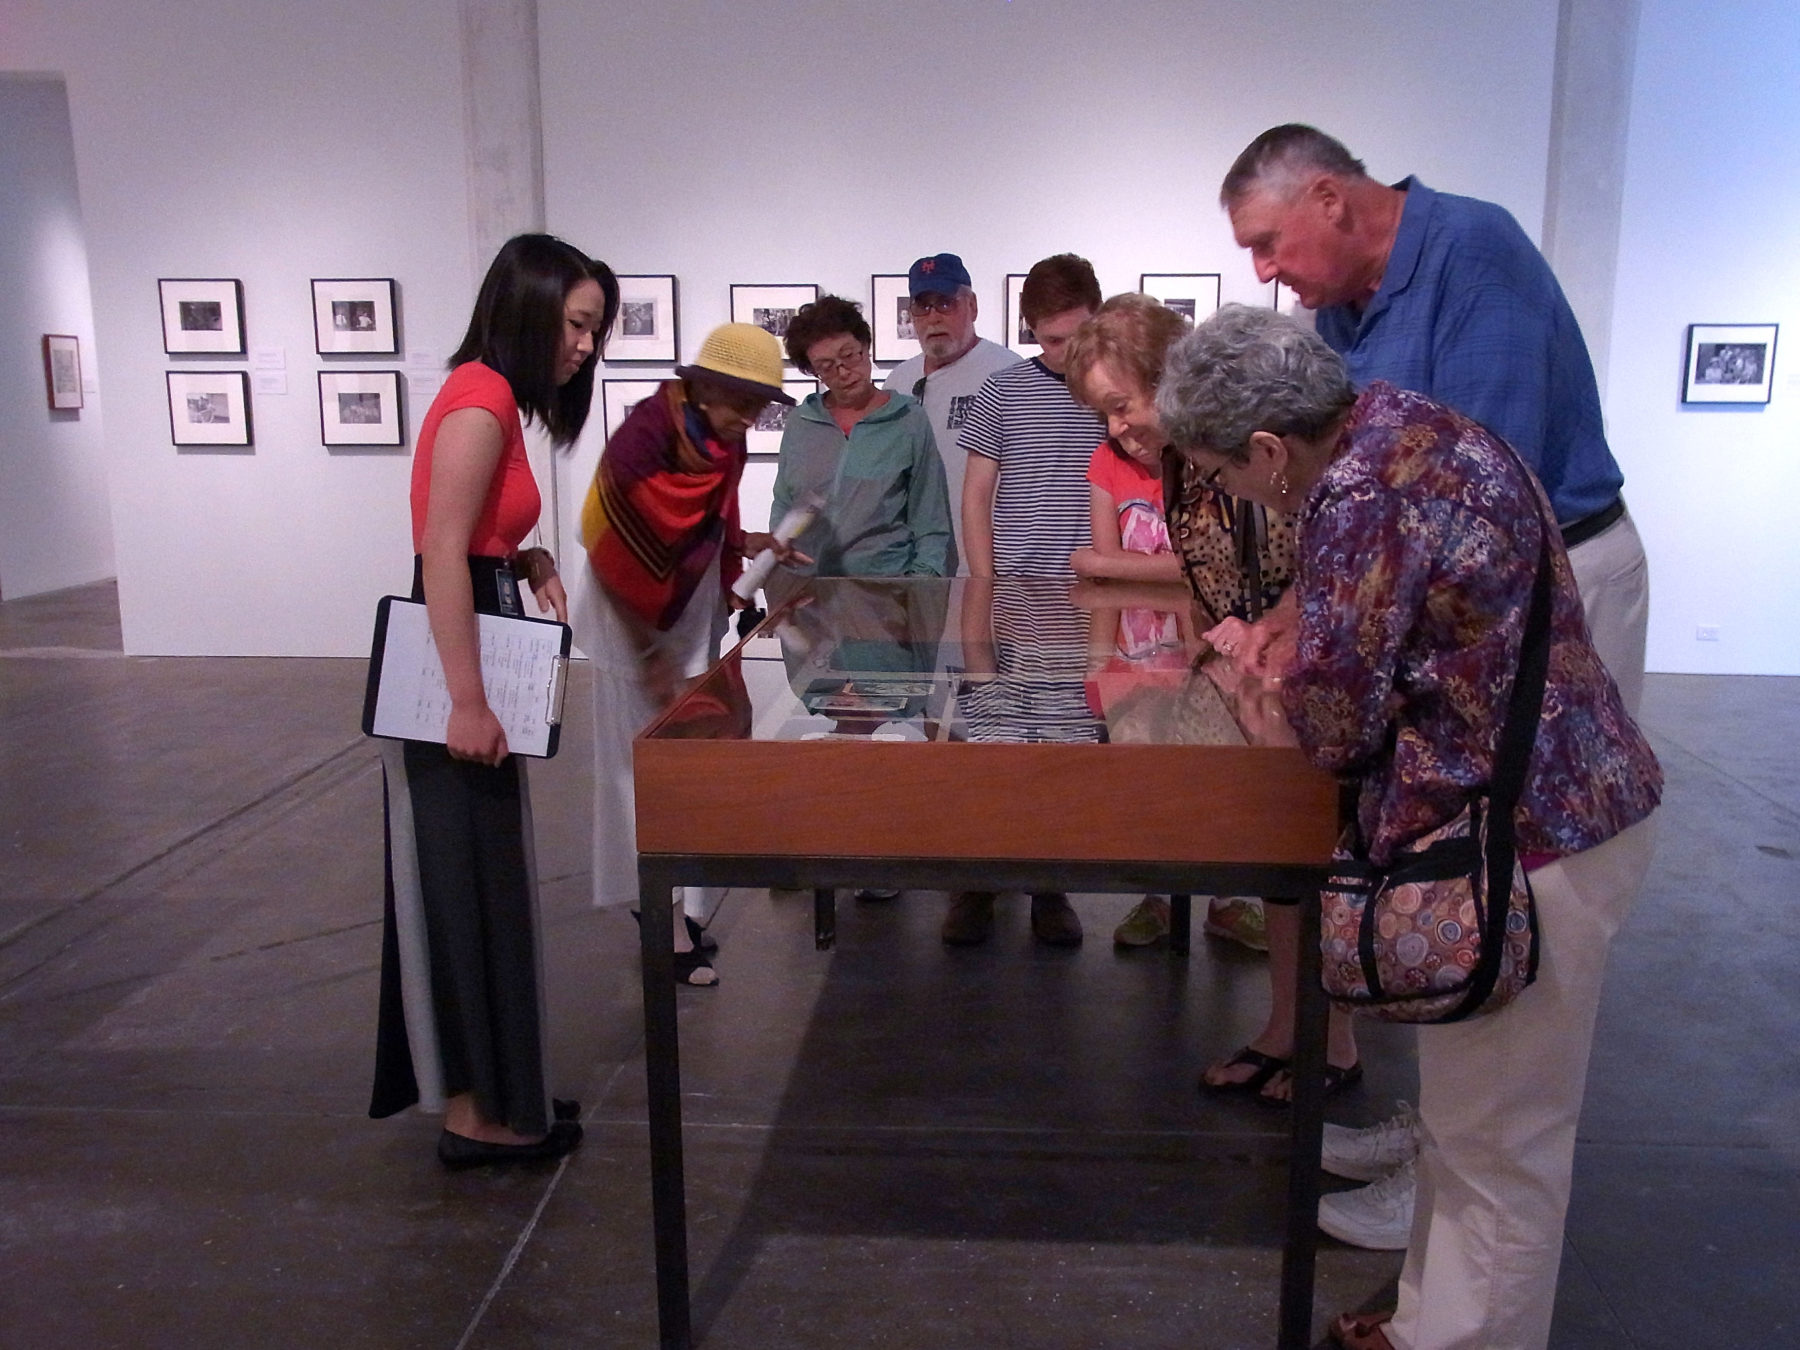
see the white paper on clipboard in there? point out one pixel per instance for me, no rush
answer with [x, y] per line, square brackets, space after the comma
[524, 666]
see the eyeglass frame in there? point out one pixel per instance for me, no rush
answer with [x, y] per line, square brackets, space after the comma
[932, 302]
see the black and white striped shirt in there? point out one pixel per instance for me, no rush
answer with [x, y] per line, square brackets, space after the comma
[1025, 418]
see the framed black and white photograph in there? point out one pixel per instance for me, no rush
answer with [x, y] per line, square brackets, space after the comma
[1019, 336]
[209, 407]
[619, 397]
[202, 315]
[770, 308]
[354, 316]
[1193, 295]
[890, 319]
[62, 371]
[763, 441]
[1729, 363]
[360, 407]
[647, 328]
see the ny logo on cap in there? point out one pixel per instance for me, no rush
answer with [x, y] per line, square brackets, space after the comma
[928, 265]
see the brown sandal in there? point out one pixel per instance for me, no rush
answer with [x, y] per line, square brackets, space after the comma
[1361, 1331]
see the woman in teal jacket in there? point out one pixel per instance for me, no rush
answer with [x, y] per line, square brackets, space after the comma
[866, 454]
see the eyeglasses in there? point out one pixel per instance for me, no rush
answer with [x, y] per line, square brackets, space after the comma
[933, 301]
[841, 362]
[1210, 481]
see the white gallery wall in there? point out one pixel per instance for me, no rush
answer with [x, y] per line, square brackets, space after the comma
[1712, 197]
[55, 523]
[275, 144]
[822, 141]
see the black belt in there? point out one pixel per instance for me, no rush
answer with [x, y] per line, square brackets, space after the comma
[490, 580]
[1587, 527]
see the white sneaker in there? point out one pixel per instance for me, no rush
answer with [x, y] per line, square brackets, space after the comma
[1369, 1155]
[1378, 1216]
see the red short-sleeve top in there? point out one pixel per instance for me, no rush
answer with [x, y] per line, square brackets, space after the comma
[512, 504]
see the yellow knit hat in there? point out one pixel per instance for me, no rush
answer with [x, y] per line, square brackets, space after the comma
[743, 357]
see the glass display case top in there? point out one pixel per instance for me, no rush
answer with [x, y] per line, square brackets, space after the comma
[1009, 660]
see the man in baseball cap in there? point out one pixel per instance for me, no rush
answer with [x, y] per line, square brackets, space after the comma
[952, 361]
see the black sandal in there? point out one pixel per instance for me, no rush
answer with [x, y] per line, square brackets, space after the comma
[694, 968]
[1336, 1080]
[1266, 1066]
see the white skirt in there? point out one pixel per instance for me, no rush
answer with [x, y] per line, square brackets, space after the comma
[623, 706]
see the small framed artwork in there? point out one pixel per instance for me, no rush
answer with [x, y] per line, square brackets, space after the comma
[1729, 363]
[62, 371]
[763, 441]
[202, 315]
[1193, 295]
[209, 407]
[770, 307]
[354, 317]
[360, 407]
[647, 327]
[890, 318]
[619, 397]
[1019, 336]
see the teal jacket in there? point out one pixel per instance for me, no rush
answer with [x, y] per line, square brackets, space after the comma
[887, 510]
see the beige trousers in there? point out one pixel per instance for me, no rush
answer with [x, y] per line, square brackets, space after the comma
[1499, 1098]
[1613, 577]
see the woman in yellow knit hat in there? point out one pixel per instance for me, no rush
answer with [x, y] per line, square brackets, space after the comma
[664, 544]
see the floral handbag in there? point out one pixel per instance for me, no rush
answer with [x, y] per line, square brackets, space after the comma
[1448, 929]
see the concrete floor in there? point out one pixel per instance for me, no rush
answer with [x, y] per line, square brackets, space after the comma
[890, 1145]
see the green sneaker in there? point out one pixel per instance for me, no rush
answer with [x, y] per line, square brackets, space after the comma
[1146, 925]
[1239, 919]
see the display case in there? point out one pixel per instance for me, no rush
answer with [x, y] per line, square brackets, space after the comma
[975, 734]
[1023, 719]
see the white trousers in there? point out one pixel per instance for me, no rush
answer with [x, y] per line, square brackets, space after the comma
[1499, 1098]
[1613, 577]
[623, 706]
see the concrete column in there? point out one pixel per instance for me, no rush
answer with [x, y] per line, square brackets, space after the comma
[503, 119]
[502, 114]
[1596, 49]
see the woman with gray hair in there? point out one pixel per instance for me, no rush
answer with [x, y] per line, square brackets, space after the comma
[1420, 537]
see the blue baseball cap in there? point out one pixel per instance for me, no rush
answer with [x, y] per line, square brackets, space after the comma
[943, 273]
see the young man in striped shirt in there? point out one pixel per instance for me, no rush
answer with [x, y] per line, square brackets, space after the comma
[1025, 510]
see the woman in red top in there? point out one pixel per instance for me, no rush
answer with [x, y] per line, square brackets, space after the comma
[1114, 361]
[461, 1004]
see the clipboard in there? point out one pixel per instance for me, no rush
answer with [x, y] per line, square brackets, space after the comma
[524, 669]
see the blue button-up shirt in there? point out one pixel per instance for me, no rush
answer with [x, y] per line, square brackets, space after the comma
[1470, 315]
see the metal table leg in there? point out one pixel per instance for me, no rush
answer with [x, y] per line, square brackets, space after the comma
[824, 917]
[1300, 1244]
[1181, 924]
[662, 1068]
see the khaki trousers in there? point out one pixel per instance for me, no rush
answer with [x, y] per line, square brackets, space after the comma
[1499, 1098]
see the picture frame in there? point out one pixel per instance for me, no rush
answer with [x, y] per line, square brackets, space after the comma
[1729, 363]
[1193, 295]
[648, 326]
[619, 397]
[361, 407]
[62, 371]
[209, 407]
[1018, 332]
[890, 319]
[763, 441]
[770, 307]
[354, 316]
[202, 314]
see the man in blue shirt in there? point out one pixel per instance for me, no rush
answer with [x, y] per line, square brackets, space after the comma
[1447, 296]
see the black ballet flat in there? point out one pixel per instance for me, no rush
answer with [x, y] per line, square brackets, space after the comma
[457, 1151]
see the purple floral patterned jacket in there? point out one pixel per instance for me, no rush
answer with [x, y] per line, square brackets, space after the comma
[1417, 551]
